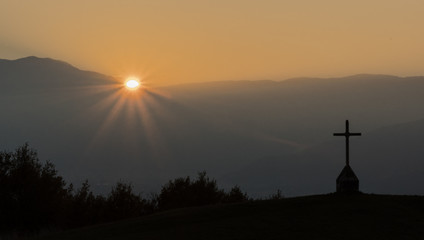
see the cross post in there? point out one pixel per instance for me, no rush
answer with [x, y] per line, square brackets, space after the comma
[347, 134]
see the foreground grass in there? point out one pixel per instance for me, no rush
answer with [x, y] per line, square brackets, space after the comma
[330, 216]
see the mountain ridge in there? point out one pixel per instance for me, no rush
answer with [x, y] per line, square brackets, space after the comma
[367, 76]
[45, 73]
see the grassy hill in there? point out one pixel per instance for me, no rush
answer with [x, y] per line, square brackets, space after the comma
[361, 216]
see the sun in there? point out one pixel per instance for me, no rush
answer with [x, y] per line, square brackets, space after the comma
[132, 83]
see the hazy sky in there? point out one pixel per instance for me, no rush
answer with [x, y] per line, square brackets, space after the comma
[174, 41]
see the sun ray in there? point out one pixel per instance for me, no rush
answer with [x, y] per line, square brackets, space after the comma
[110, 118]
[136, 111]
[146, 117]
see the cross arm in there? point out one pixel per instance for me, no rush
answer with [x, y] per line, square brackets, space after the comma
[339, 134]
[355, 134]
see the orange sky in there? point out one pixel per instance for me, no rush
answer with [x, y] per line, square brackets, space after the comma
[168, 42]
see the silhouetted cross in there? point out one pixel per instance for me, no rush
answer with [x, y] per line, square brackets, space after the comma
[347, 134]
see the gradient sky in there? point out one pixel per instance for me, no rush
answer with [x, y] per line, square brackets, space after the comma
[175, 41]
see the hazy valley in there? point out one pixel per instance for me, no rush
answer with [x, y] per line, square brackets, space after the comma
[260, 135]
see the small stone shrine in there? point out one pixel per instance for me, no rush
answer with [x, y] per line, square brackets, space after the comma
[347, 181]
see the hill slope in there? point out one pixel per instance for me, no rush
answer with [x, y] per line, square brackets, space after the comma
[313, 217]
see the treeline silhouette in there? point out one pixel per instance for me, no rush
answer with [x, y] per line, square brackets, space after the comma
[34, 197]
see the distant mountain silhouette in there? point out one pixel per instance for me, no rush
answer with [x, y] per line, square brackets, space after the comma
[261, 135]
[44, 73]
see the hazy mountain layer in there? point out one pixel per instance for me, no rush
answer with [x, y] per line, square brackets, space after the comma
[261, 135]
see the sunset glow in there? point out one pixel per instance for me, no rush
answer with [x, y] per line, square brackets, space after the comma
[272, 40]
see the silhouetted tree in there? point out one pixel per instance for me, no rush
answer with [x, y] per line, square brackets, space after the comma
[85, 208]
[33, 195]
[123, 203]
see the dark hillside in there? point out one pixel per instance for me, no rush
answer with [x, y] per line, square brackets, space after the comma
[313, 217]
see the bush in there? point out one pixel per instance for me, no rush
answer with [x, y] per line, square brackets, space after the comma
[277, 196]
[183, 192]
[236, 195]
